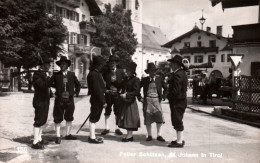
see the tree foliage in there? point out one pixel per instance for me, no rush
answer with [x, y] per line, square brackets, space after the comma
[114, 29]
[28, 28]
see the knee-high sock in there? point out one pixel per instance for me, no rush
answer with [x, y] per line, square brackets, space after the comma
[129, 134]
[36, 134]
[92, 130]
[149, 130]
[159, 125]
[40, 134]
[57, 127]
[106, 122]
[68, 127]
[179, 136]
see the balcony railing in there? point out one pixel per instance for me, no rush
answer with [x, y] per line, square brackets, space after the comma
[83, 49]
[199, 50]
[86, 27]
[71, 3]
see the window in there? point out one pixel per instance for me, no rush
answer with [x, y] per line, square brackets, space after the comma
[223, 58]
[198, 59]
[85, 40]
[186, 44]
[68, 14]
[58, 10]
[212, 43]
[199, 44]
[83, 17]
[73, 38]
[212, 58]
[64, 12]
[187, 57]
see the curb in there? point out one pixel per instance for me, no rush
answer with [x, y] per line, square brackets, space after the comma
[227, 117]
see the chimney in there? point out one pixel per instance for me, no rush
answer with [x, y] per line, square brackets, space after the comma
[208, 29]
[219, 30]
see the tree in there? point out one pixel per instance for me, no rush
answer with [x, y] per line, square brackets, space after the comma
[114, 29]
[28, 28]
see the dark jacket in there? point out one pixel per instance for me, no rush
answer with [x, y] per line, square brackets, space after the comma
[41, 89]
[96, 86]
[119, 78]
[132, 88]
[159, 85]
[178, 83]
[73, 83]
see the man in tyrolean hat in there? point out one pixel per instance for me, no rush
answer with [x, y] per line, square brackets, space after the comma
[113, 78]
[66, 85]
[177, 98]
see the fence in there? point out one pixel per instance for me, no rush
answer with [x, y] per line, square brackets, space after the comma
[249, 98]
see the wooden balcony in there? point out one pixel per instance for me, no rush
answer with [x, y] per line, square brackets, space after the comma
[78, 49]
[71, 3]
[86, 27]
[199, 50]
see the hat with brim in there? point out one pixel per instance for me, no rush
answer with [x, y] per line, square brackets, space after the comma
[63, 59]
[177, 59]
[113, 58]
[150, 68]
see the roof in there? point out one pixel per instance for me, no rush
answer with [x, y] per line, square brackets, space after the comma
[174, 51]
[235, 3]
[93, 8]
[152, 37]
[188, 34]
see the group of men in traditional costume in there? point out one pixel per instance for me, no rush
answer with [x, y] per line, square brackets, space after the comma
[113, 87]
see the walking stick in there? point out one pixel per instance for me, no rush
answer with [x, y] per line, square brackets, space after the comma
[83, 124]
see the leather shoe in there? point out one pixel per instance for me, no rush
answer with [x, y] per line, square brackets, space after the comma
[95, 141]
[149, 138]
[58, 140]
[105, 132]
[128, 139]
[174, 144]
[37, 146]
[70, 137]
[159, 138]
[118, 132]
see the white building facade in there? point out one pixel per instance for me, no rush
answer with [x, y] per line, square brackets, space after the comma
[201, 47]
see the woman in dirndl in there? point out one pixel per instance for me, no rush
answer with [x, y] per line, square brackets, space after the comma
[129, 118]
[152, 91]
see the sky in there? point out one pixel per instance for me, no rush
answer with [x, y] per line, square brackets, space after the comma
[176, 17]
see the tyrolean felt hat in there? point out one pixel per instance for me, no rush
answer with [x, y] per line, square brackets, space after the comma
[150, 68]
[63, 59]
[177, 59]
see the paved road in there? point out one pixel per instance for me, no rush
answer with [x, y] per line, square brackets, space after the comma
[208, 139]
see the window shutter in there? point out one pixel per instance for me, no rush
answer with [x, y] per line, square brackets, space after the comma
[77, 17]
[85, 40]
[68, 37]
[78, 38]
